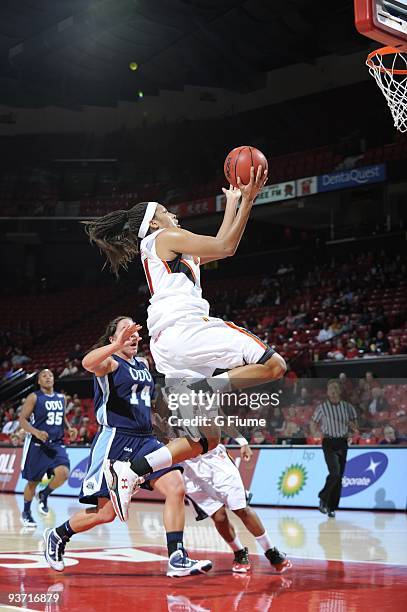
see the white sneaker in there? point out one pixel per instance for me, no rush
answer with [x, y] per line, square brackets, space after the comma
[179, 564]
[27, 519]
[123, 483]
[54, 548]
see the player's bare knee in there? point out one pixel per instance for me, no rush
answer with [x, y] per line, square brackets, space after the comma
[177, 488]
[276, 367]
[242, 513]
[220, 516]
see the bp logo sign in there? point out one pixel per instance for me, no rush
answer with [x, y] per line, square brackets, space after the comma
[292, 480]
[362, 472]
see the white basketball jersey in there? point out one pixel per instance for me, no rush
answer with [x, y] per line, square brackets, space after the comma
[175, 287]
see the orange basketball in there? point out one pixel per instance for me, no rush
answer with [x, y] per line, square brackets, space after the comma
[239, 161]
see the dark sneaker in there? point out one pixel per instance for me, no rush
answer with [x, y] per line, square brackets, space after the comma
[322, 507]
[331, 513]
[241, 563]
[27, 519]
[54, 550]
[278, 560]
[42, 504]
[179, 564]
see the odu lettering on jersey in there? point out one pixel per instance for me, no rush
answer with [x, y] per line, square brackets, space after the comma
[48, 414]
[123, 398]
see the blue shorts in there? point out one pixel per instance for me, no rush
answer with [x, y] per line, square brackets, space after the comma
[113, 444]
[40, 458]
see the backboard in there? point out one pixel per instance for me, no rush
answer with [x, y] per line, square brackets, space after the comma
[383, 20]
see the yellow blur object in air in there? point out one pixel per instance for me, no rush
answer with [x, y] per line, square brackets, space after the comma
[133, 66]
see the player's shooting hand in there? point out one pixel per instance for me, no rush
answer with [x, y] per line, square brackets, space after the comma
[127, 335]
[246, 452]
[233, 195]
[41, 435]
[256, 183]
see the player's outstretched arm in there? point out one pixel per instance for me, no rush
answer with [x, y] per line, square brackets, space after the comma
[173, 241]
[100, 361]
[233, 195]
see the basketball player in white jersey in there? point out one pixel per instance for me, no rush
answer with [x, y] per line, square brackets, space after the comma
[213, 485]
[185, 340]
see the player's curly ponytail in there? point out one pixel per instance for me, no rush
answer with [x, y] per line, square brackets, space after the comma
[116, 234]
[109, 331]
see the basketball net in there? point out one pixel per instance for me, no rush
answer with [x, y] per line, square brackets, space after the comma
[388, 66]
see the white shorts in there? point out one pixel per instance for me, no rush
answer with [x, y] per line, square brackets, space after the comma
[213, 481]
[197, 345]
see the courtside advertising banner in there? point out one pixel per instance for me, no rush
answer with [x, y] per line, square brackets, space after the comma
[374, 477]
[283, 476]
[356, 177]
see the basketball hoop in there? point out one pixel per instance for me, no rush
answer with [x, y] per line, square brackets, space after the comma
[389, 68]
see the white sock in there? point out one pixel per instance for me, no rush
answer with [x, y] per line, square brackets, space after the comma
[221, 383]
[264, 541]
[159, 459]
[236, 544]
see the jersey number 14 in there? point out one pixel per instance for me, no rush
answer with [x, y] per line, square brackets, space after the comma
[144, 394]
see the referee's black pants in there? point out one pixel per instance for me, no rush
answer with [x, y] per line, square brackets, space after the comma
[335, 451]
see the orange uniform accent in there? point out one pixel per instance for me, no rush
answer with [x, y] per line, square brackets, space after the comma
[244, 331]
[166, 266]
[192, 272]
[148, 276]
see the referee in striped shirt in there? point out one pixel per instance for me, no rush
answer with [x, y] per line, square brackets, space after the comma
[336, 419]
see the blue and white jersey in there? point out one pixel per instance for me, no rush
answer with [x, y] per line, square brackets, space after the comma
[123, 398]
[48, 415]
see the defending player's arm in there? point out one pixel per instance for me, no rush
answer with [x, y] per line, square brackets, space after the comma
[100, 361]
[26, 412]
[232, 431]
[173, 241]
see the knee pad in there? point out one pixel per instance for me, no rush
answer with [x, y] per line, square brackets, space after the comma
[204, 443]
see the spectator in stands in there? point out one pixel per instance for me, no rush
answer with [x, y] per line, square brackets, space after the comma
[84, 434]
[352, 350]
[325, 333]
[77, 417]
[379, 403]
[260, 436]
[275, 421]
[397, 348]
[304, 399]
[381, 342]
[292, 434]
[338, 352]
[77, 353]
[335, 327]
[390, 436]
[19, 359]
[70, 369]
[346, 386]
[12, 424]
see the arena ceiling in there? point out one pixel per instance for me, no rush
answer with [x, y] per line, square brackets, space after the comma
[76, 52]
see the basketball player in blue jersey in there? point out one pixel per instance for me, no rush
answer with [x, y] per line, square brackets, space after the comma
[185, 341]
[43, 418]
[123, 388]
